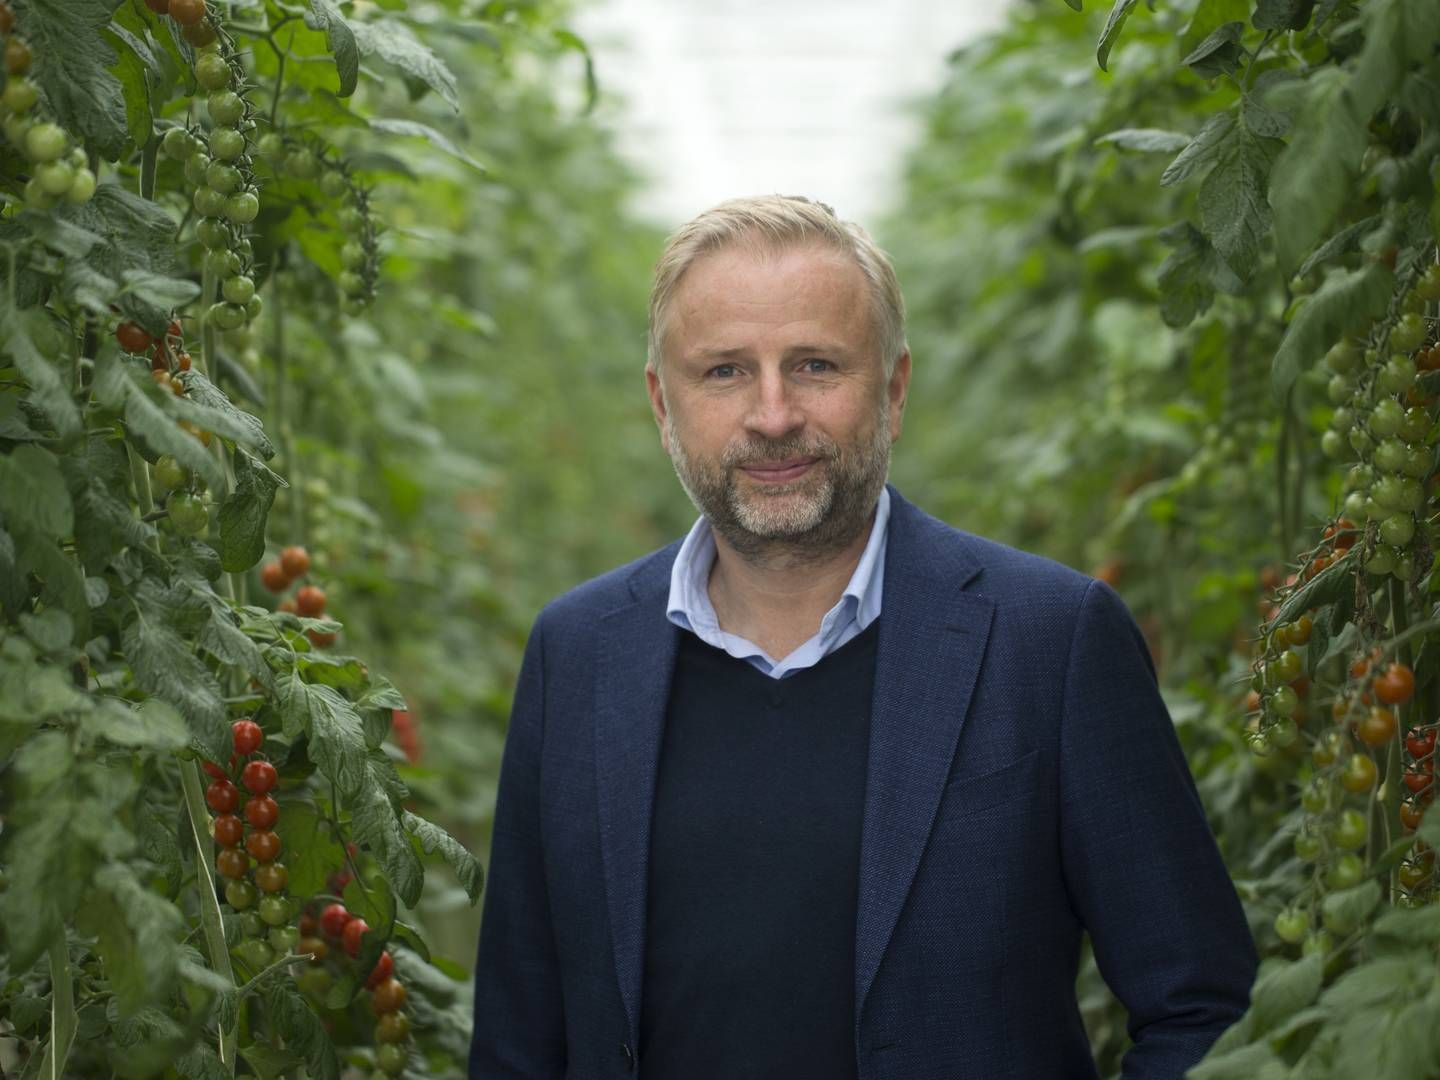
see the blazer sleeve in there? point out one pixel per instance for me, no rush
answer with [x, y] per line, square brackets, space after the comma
[1142, 867]
[519, 1031]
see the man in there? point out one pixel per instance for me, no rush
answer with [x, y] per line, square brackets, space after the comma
[830, 789]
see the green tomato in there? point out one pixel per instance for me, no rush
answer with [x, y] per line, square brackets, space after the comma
[1408, 333]
[1283, 732]
[54, 177]
[1360, 441]
[314, 981]
[1417, 463]
[1288, 666]
[253, 307]
[226, 316]
[282, 939]
[187, 513]
[176, 143]
[302, 164]
[351, 283]
[212, 234]
[1404, 566]
[209, 202]
[1342, 357]
[223, 263]
[197, 167]
[226, 143]
[238, 289]
[271, 146]
[223, 178]
[351, 219]
[254, 953]
[1415, 425]
[1308, 846]
[1409, 493]
[1385, 421]
[15, 128]
[82, 188]
[333, 183]
[274, 909]
[212, 72]
[242, 207]
[46, 142]
[1317, 795]
[1335, 446]
[1397, 530]
[1351, 830]
[1359, 478]
[352, 255]
[1428, 287]
[239, 894]
[1355, 505]
[226, 107]
[20, 95]
[251, 925]
[1320, 943]
[1390, 454]
[1291, 925]
[391, 1058]
[1380, 562]
[1346, 872]
[1396, 376]
[170, 475]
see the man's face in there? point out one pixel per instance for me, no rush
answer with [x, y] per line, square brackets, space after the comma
[773, 404]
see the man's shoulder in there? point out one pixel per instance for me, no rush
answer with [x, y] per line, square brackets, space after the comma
[598, 597]
[999, 569]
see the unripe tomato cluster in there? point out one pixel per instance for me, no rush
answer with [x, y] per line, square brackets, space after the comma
[336, 925]
[219, 165]
[280, 573]
[59, 170]
[245, 832]
[1384, 418]
[358, 254]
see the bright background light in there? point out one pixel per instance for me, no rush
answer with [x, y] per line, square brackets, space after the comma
[744, 97]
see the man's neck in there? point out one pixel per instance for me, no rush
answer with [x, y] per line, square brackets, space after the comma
[777, 599]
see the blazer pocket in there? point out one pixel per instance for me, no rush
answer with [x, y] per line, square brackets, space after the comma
[968, 794]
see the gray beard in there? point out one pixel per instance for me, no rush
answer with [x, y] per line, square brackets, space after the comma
[835, 510]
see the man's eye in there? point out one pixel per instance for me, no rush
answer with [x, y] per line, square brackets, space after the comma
[817, 366]
[723, 371]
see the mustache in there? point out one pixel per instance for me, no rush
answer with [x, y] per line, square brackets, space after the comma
[758, 451]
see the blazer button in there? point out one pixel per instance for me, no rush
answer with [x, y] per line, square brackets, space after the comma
[629, 1057]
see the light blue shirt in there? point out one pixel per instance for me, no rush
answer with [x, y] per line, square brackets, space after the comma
[690, 609]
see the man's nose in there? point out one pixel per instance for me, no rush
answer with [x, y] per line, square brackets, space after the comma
[774, 410]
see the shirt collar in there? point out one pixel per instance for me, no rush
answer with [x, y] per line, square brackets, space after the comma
[689, 604]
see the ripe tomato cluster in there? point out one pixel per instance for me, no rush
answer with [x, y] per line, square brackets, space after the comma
[280, 573]
[244, 833]
[59, 169]
[191, 17]
[336, 925]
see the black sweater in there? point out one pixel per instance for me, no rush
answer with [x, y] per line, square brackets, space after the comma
[754, 863]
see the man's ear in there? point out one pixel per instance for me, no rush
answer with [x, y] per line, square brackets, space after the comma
[656, 391]
[897, 390]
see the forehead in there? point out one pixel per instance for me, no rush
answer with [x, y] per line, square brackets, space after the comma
[739, 297]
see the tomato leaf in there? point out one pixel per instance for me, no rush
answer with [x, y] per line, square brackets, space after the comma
[137, 939]
[1147, 140]
[312, 853]
[1343, 242]
[392, 126]
[1283, 989]
[335, 730]
[32, 492]
[394, 43]
[156, 641]
[323, 15]
[206, 404]
[153, 723]
[48, 392]
[1201, 150]
[1282, 14]
[1217, 51]
[1346, 302]
[1233, 212]
[1113, 25]
[98, 479]
[375, 818]
[297, 1024]
[435, 839]
[71, 62]
[244, 513]
[146, 416]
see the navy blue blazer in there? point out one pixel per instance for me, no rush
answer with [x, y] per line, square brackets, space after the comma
[1024, 785]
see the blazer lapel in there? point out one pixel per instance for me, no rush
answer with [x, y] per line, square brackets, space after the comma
[932, 640]
[632, 689]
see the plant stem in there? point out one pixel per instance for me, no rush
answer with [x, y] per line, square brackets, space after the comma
[140, 476]
[62, 1011]
[209, 902]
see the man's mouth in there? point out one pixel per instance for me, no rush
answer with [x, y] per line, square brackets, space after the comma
[779, 472]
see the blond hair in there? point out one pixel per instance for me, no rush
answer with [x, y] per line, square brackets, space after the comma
[773, 223]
